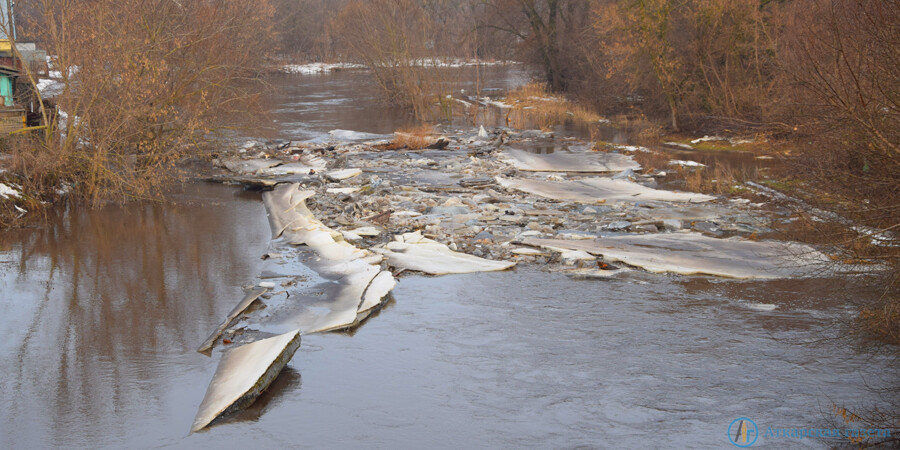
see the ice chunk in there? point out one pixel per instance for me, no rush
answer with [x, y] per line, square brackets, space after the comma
[343, 174]
[240, 308]
[243, 374]
[250, 166]
[347, 190]
[573, 256]
[599, 190]
[412, 251]
[682, 163]
[367, 231]
[592, 162]
[524, 251]
[672, 224]
[291, 169]
[696, 254]
[355, 136]
[381, 286]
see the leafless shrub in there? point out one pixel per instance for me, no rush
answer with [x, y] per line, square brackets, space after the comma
[144, 83]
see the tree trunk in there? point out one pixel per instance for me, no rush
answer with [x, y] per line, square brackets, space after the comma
[673, 106]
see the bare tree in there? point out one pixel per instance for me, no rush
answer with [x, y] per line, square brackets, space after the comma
[142, 84]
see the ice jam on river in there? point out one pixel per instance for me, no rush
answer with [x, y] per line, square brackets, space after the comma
[516, 288]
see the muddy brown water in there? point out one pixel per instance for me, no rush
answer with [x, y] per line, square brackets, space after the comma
[102, 311]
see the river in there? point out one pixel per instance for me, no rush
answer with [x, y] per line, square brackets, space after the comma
[103, 310]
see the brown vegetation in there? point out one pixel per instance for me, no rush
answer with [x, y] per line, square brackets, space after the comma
[144, 83]
[533, 105]
[415, 138]
[844, 60]
[313, 30]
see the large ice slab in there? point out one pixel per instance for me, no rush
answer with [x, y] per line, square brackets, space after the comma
[330, 297]
[599, 190]
[343, 281]
[589, 162]
[306, 165]
[244, 373]
[412, 251]
[696, 254]
[292, 220]
[250, 166]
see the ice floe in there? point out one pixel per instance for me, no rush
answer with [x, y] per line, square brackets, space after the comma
[599, 190]
[592, 162]
[696, 254]
[244, 373]
[412, 251]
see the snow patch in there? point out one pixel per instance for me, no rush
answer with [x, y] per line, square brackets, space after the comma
[686, 163]
[355, 136]
[317, 68]
[6, 192]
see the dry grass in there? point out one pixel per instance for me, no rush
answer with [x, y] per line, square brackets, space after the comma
[533, 104]
[652, 161]
[414, 138]
[722, 179]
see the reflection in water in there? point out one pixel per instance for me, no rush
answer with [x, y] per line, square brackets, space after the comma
[101, 307]
[310, 106]
[288, 381]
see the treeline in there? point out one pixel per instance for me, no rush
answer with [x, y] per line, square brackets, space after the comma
[317, 30]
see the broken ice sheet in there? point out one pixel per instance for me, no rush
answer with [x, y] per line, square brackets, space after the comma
[412, 251]
[249, 298]
[343, 174]
[592, 162]
[330, 298]
[244, 373]
[274, 167]
[291, 219]
[250, 166]
[380, 287]
[696, 254]
[599, 190]
[339, 287]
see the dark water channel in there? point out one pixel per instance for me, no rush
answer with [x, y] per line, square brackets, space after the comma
[102, 311]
